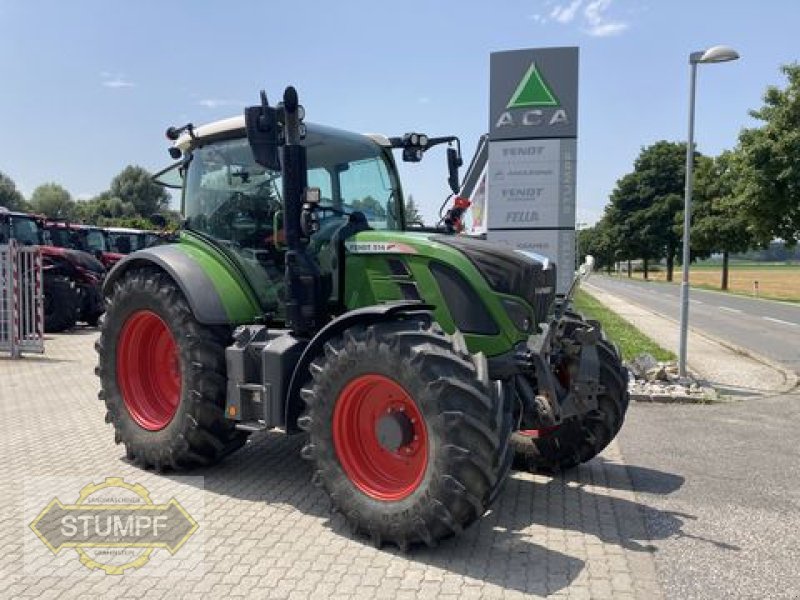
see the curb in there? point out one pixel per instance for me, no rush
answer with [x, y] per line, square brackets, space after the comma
[790, 377]
[668, 399]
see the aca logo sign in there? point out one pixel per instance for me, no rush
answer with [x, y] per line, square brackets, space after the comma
[534, 93]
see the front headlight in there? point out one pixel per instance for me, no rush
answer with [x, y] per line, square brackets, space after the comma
[519, 314]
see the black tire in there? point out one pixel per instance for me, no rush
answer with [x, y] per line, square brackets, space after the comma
[580, 439]
[467, 424]
[198, 433]
[60, 305]
[93, 319]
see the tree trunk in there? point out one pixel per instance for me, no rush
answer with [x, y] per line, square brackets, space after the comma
[645, 268]
[629, 269]
[724, 270]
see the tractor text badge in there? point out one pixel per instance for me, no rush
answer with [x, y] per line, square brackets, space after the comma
[114, 526]
[533, 94]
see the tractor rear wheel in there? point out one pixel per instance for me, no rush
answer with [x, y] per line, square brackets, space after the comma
[162, 376]
[581, 438]
[408, 436]
[60, 305]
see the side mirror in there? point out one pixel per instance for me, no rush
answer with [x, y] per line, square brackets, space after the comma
[454, 162]
[263, 135]
[158, 220]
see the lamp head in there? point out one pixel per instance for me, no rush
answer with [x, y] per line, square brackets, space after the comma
[715, 54]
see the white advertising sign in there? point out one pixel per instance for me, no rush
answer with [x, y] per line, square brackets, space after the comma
[531, 183]
[556, 244]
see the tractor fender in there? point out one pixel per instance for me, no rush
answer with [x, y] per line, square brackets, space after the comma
[194, 282]
[364, 315]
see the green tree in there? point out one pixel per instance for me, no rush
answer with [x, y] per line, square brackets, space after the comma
[597, 240]
[53, 200]
[10, 196]
[629, 224]
[720, 223]
[646, 205]
[134, 186]
[769, 183]
[411, 211]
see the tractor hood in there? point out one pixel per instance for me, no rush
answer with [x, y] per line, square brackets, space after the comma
[76, 257]
[508, 271]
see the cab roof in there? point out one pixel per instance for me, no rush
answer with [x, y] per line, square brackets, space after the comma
[235, 125]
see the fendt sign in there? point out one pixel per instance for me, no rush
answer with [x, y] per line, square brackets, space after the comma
[531, 174]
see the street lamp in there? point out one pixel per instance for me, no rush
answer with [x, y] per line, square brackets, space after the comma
[715, 54]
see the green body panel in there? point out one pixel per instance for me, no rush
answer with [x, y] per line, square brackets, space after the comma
[236, 294]
[369, 280]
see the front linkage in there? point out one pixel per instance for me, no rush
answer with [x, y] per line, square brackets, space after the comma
[545, 354]
[572, 394]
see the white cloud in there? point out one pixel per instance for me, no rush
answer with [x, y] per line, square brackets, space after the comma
[591, 16]
[597, 23]
[218, 102]
[565, 13]
[115, 80]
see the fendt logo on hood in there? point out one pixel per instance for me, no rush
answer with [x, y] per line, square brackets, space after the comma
[532, 91]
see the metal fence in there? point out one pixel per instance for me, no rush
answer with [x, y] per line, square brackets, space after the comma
[21, 300]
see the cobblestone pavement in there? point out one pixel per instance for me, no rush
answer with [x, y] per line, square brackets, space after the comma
[269, 533]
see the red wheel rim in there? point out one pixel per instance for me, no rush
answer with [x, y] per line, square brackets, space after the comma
[148, 370]
[366, 404]
[538, 433]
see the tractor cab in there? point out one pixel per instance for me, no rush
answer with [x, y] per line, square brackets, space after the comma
[24, 228]
[86, 238]
[230, 198]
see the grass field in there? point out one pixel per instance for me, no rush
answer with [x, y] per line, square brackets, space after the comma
[777, 281]
[630, 340]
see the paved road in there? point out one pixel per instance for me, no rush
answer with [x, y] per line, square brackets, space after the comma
[724, 479]
[766, 327]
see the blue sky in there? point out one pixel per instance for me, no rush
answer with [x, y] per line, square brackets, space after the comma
[87, 87]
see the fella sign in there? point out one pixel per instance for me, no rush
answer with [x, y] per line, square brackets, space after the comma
[533, 118]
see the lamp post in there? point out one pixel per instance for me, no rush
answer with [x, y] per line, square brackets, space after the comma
[715, 54]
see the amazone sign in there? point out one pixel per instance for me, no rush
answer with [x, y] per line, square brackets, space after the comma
[534, 94]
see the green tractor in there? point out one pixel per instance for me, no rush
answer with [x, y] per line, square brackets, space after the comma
[418, 364]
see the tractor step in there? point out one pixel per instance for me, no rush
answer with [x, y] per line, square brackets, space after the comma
[251, 426]
[260, 364]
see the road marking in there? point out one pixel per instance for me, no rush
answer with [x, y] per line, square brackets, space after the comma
[781, 321]
[698, 301]
[733, 310]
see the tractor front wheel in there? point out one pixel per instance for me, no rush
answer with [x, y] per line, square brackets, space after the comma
[581, 438]
[60, 305]
[409, 437]
[162, 376]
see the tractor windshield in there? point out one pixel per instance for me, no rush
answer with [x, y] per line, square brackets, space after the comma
[231, 198]
[26, 231]
[96, 241]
